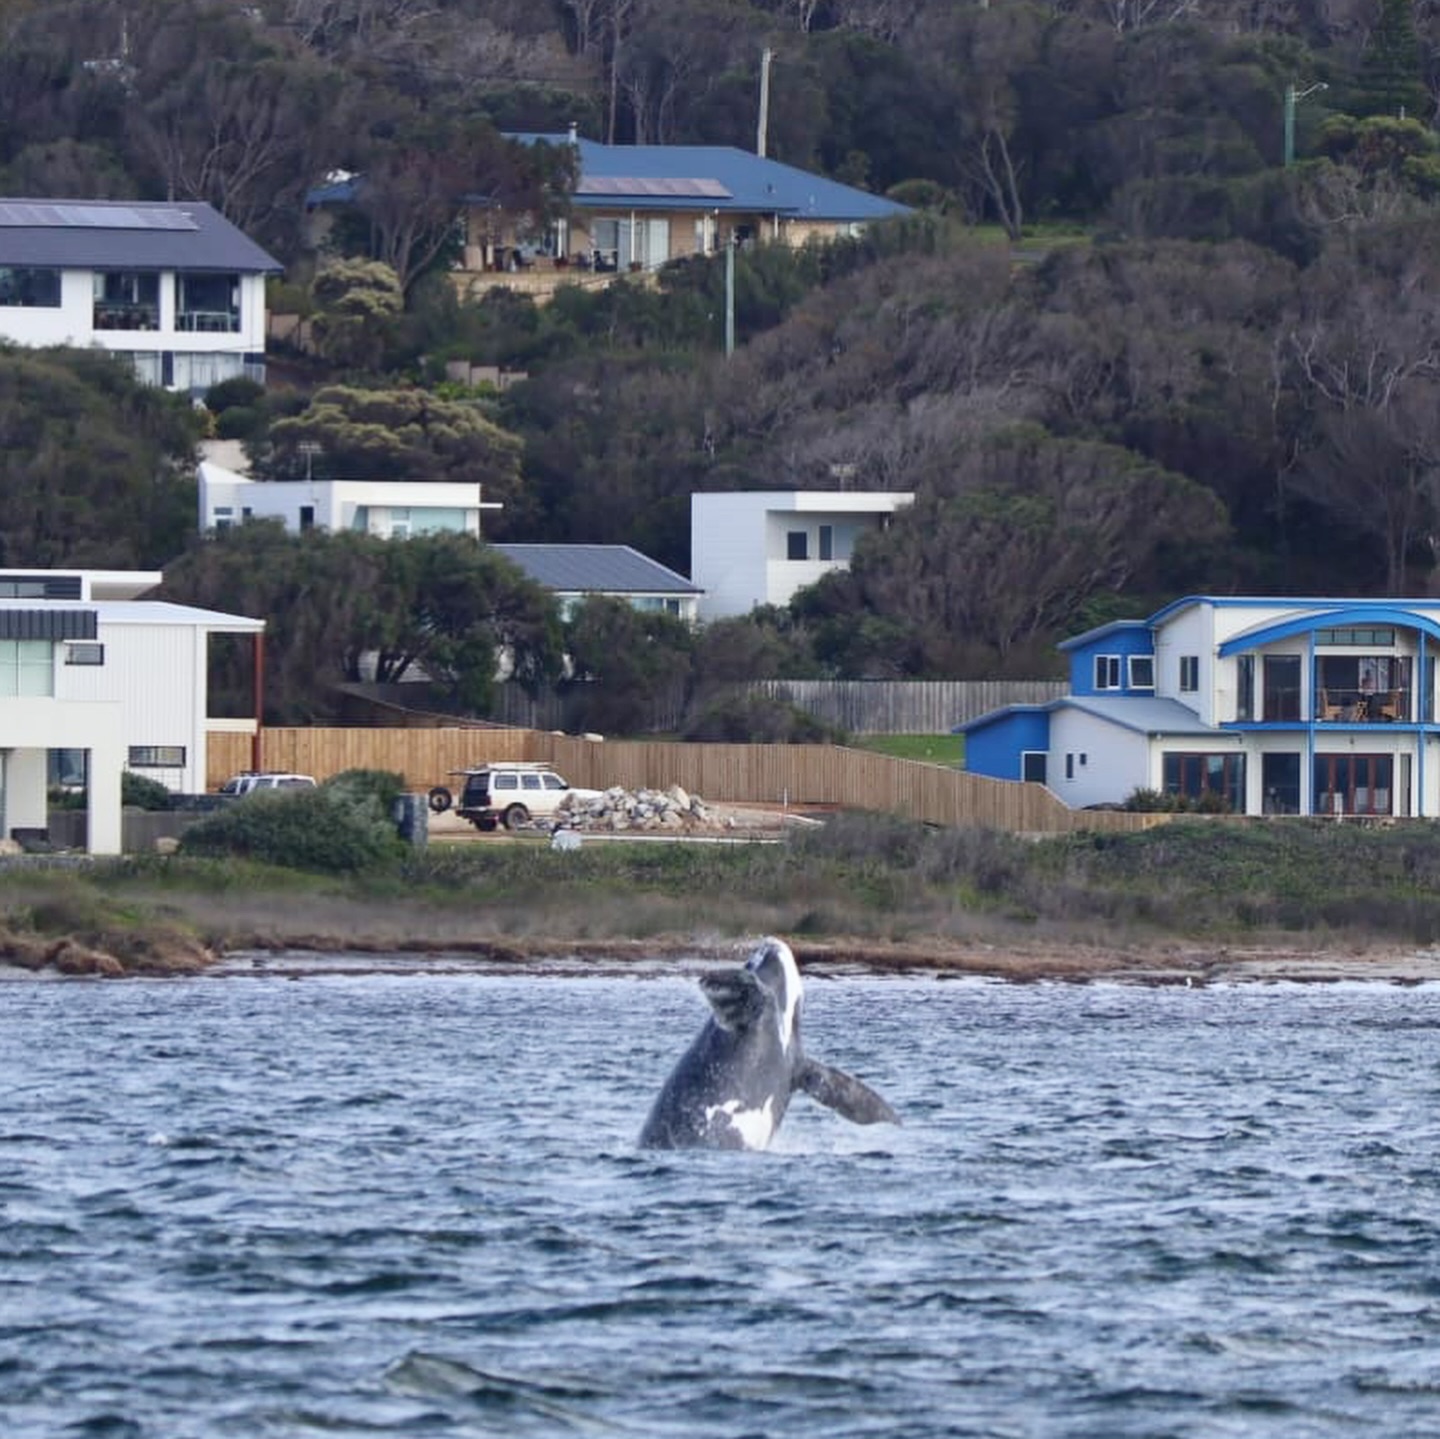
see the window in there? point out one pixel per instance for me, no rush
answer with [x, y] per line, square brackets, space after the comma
[1189, 674]
[27, 668]
[1282, 688]
[1219, 778]
[1376, 636]
[1069, 766]
[504, 781]
[207, 303]
[126, 300]
[29, 288]
[797, 545]
[530, 781]
[553, 781]
[157, 756]
[1107, 672]
[84, 652]
[307, 517]
[399, 523]
[1033, 765]
[1245, 687]
[1353, 783]
[224, 517]
[1142, 672]
[827, 542]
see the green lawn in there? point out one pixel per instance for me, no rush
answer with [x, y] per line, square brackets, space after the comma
[932, 748]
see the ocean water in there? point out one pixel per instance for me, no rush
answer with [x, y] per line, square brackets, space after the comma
[410, 1204]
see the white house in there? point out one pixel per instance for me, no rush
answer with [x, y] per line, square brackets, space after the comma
[389, 509]
[173, 286]
[1255, 705]
[757, 547]
[88, 665]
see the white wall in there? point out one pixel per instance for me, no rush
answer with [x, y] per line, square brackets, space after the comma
[1115, 761]
[73, 322]
[738, 541]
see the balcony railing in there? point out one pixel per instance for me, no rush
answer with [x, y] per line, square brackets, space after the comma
[1360, 707]
[213, 322]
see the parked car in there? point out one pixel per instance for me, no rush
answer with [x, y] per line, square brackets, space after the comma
[250, 781]
[509, 793]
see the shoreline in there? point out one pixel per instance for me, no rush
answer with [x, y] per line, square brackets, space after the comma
[1162, 963]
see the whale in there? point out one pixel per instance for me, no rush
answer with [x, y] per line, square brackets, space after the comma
[732, 1086]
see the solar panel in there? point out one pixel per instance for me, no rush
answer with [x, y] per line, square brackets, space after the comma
[673, 187]
[36, 214]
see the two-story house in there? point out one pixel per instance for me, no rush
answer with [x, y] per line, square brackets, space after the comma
[758, 547]
[88, 665]
[172, 286]
[1269, 706]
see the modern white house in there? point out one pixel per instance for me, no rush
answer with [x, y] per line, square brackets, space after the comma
[572, 573]
[389, 509]
[88, 665]
[757, 547]
[1256, 705]
[172, 286]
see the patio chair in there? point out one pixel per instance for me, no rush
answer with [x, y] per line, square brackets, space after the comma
[1328, 709]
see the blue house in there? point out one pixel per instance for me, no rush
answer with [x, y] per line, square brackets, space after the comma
[1271, 706]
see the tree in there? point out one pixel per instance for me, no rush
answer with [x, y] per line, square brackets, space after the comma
[355, 434]
[95, 468]
[1391, 79]
[357, 304]
[1030, 529]
[621, 659]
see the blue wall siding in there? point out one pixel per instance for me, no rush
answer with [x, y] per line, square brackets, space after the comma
[995, 749]
[1123, 643]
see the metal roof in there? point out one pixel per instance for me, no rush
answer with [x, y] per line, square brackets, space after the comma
[177, 235]
[1149, 716]
[687, 177]
[596, 569]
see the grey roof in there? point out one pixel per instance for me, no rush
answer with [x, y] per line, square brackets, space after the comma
[596, 569]
[1149, 716]
[126, 235]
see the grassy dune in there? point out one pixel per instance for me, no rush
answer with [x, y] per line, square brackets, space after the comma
[860, 886]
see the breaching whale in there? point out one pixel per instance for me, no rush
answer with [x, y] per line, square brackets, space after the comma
[732, 1086]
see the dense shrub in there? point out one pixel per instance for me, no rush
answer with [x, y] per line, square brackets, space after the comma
[758, 719]
[318, 829]
[141, 792]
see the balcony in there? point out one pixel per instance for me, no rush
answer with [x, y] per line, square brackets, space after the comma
[209, 322]
[1338, 706]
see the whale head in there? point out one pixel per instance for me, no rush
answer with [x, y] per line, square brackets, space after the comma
[774, 968]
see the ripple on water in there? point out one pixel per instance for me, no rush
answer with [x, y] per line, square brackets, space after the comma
[412, 1205]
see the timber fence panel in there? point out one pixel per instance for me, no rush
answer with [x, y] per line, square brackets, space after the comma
[798, 775]
[904, 706]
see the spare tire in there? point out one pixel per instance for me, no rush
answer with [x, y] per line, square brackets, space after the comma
[440, 799]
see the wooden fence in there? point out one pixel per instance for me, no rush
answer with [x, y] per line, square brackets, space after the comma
[905, 706]
[797, 775]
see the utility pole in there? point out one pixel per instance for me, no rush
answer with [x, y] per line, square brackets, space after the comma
[730, 297]
[763, 124]
[1292, 96]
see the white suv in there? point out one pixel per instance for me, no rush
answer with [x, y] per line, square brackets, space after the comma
[509, 792]
[250, 781]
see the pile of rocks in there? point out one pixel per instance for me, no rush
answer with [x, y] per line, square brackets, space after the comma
[616, 810]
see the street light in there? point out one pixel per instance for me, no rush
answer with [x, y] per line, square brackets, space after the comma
[1292, 95]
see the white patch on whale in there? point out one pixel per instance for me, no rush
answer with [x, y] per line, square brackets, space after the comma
[754, 1126]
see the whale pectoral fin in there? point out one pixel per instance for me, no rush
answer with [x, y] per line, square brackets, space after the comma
[735, 996]
[845, 1094]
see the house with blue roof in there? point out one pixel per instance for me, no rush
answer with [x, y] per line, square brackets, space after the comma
[1259, 705]
[636, 207]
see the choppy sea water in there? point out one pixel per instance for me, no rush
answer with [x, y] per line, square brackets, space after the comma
[412, 1205]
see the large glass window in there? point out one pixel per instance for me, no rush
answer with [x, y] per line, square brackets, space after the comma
[1363, 688]
[1282, 688]
[30, 287]
[127, 300]
[1280, 780]
[1354, 783]
[27, 668]
[207, 303]
[1219, 778]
